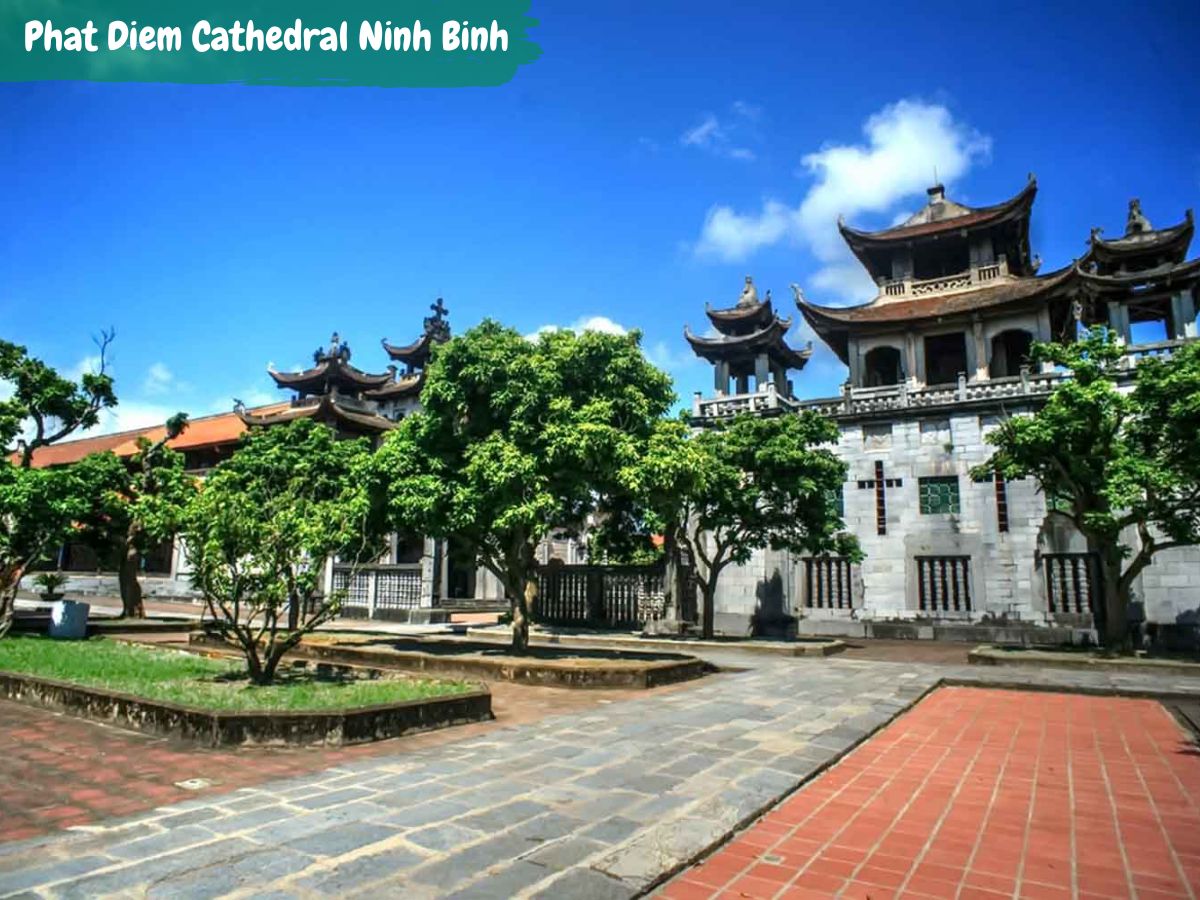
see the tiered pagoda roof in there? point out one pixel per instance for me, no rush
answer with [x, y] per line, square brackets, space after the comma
[331, 371]
[942, 218]
[748, 329]
[1142, 247]
[1006, 282]
[332, 391]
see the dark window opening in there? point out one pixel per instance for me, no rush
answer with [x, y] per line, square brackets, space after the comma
[409, 549]
[882, 366]
[1010, 351]
[941, 259]
[945, 357]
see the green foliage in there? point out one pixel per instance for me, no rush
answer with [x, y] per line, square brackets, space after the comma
[176, 677]
[144, 497]
[263, 526]
[518, 438]
[45, 403]
[756, 482]
[38, 506]
[1114, 459]
[50, 582]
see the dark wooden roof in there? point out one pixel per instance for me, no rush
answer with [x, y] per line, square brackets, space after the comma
[328, 410]
[1168, 275]
[415, 354]
[835, 323]
[740, 319]
[405, 386]
[768, 338]
[1170, 242]
[954, 217]
[330, 371]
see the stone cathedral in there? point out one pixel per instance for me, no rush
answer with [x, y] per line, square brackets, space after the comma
[935, 359]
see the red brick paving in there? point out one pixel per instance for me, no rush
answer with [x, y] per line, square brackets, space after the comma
[981, 795]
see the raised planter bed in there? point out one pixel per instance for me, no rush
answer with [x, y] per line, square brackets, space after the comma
[552, 668]
[1080, 659]
[804, 646]
[257, 727]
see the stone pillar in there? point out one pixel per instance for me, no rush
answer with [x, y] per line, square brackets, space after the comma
[743, 384]
[721, 378]
[981, 352]
[854, 360]
[1183, 316]
[762, 372]
[1118, 320]
[910, 355]
[919, 364]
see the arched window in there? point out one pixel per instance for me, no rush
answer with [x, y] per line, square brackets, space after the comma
[881, 366]
[1010, 351]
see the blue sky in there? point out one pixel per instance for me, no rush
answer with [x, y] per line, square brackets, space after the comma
[652, 157]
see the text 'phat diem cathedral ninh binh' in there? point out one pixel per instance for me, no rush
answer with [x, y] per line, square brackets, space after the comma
[935, 361]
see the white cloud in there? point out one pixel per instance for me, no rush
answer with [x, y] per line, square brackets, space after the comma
[127, 416]
[733, 236]
[725, 138]
[904, 143]
[159, 379]
[89, 365]
[584, 323]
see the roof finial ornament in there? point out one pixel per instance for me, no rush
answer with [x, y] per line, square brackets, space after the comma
[798, 294]
[749, 294]
[1136, 223]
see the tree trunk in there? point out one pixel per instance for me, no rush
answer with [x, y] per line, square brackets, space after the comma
[132, 605]
[10, 580]
[708, 593]
[1112, 613]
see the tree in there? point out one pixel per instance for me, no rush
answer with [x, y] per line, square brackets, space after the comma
[38, 506]
[722, 493]
[262, 528]
[51, 406]
[1120, 463]
[518, 438]
[142, 506]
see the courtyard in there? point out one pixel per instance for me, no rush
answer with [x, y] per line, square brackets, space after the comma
[862, 775]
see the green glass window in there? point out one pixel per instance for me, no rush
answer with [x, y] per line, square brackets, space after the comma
[938, 495]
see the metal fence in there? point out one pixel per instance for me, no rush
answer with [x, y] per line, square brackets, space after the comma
[378, 592]
[606, 596]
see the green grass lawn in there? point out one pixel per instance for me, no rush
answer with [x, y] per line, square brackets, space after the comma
[190, 680]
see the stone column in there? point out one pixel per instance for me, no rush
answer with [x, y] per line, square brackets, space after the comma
[743, 384]
[1183, 316]
[981, 354]
[1118, 320]
[721, 378]
[854, 361]
[762, 372]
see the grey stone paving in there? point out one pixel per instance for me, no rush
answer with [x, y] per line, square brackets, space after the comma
[599, 805]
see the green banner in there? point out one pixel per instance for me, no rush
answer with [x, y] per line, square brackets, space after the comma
[301, 43]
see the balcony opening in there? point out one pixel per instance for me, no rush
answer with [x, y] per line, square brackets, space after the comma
[945, 357]
[1010, 351]
[881, 367]
[941, 259]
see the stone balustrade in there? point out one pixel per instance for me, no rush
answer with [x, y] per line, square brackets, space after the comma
[925, 287]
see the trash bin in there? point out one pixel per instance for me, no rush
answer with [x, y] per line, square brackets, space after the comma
[68, 620]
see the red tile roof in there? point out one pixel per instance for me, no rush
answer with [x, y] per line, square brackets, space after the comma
[206, 431]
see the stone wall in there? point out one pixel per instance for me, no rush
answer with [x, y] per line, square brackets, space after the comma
[1007, 568]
